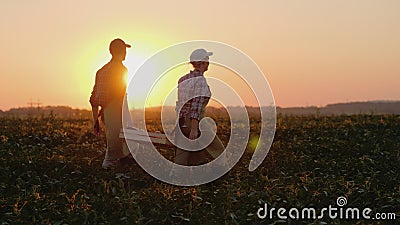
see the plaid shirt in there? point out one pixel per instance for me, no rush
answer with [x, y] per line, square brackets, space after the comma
[109, 85]
[193, 95]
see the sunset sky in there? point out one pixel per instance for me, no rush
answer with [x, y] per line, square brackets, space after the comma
[311, 52]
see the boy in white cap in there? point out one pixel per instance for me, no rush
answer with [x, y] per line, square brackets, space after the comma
[193, 96]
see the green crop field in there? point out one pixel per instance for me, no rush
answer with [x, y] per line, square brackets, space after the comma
[50, 173]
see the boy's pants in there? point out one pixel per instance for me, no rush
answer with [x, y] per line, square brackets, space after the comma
[189, 158]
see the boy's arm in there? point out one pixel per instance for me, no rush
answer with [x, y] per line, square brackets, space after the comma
[194, 131]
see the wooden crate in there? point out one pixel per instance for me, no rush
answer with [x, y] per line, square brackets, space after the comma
[133, 134]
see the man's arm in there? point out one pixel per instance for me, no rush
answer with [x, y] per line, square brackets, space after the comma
[95, 108]
[96, 124]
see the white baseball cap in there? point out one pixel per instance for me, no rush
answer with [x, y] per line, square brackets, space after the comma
[200, 55]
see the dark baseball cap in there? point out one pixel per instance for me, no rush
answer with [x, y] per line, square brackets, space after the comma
[117, 45]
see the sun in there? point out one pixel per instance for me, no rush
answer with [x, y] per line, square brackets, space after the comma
[152, 86]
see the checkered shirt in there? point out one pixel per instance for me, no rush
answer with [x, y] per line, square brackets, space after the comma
[109, 85]
[193, 95]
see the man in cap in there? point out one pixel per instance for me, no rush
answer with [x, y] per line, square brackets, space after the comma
[109, 92]
[193, 96]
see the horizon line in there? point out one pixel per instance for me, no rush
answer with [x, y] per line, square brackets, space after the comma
[249, 106]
